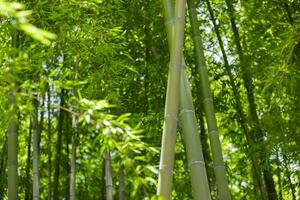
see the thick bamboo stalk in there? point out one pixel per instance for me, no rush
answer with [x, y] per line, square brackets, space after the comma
[200, 187]
[108, 176]
[199, 180]
[222, 185]
[171, 108]
[35, 145]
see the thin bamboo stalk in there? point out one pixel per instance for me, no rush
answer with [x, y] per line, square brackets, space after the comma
[108, 176]
[28, 191]
[58, 147]
[258, 183]
[49, 142]
[3, 166]
[257, 131]
[121, 183]
[221, 181]
[35, 145]
[12, 137]
[171, 108]
[73, 159]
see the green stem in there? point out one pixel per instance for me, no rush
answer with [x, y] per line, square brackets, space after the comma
[171, 107]
[219, 167]
[12, 136]
[259, 187]
[36, 179]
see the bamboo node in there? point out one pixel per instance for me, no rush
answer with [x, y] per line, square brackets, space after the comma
[184, 111]
[165, 168]
[175, 66]
[169, 22]
[219, 165]
[180, 19]
[213, 131]
[207, 99]
[170, 116]
[196, 162]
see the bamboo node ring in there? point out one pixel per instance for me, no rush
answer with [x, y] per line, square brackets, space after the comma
[196, 162]
[219, 165]
[170, 116]
[184, 111]
[180, 19]
[175, 66]
[166, 169]
[214, 131]
[169, 22]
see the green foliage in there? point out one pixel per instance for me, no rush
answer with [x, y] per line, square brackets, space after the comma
[110, 58]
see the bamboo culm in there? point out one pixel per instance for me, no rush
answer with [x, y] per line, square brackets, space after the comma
[171, 107]
[12, 135]
[108, 176]
[257, 132]
[121, 183]
[199, 179]
[221, 181]
[73, 159]
[238, 106]
[36, 179]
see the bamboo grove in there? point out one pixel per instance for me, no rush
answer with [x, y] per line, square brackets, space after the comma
[170, 99]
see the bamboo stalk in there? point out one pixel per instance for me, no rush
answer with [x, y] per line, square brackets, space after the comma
[199, 180]
[121, 183]
[35, 145]
[171, 107]
[259, 187]
[200, 186]
[257, 131]
[12, 136]
[73, 159]
[108, 176]
[221, 181]
[49, 142]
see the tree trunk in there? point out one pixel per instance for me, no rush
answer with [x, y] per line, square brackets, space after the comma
[221, 181]
[108, 176]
